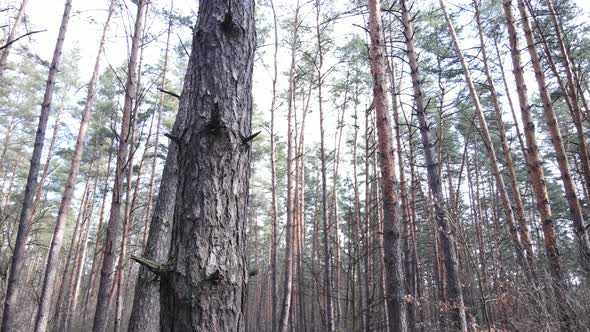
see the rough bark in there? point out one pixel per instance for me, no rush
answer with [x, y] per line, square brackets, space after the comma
[18, 256]
[204, 285]
[391, 224]
[58, 232]
[445, 229]
[109, 250]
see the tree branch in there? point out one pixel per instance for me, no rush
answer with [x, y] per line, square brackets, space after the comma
[154, 267]
[21, 37]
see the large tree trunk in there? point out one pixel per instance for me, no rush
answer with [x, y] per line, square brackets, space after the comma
[446, 230]
[391, 225]
[58, 232]
[18, 256]
[535, 167]
[109, 251]
[204, 283]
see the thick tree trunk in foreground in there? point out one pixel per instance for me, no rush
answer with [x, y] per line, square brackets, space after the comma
[58, 232]
[391, 225]
[204, 283]
[446, 230]
[109, 250]
[18, 256]
[535, 167]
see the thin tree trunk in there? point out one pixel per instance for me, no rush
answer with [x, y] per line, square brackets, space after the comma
[410, 272]
[326, 236]
[18, 256]
[66, 279]
[148, 210]
[367, 222]
[446, 230]
[204, 283]
[58, 232]
[130, 199]
[45, 172]
[80, 258]
[334, 203]
[106, 279]
[288, 279]
[11, 36]
[99, 230]
[273, 183]
[357, 219]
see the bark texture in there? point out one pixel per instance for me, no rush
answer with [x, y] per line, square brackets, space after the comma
[204, 283]
[391, 225]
